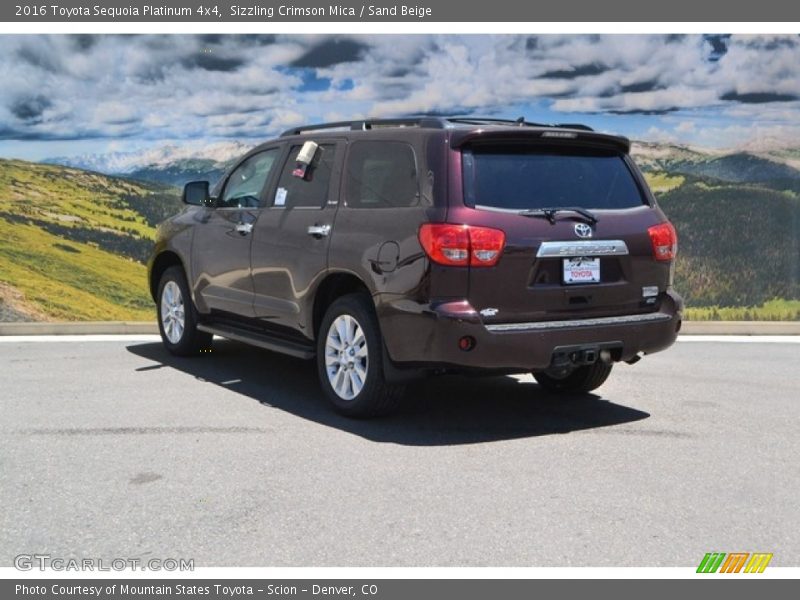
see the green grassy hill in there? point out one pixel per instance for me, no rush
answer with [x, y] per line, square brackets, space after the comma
[739, 246]
[73, 243]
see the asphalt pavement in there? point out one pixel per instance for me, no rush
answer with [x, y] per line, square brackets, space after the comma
[113, 448]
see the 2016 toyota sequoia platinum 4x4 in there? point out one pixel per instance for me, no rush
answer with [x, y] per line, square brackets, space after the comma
[393, 249]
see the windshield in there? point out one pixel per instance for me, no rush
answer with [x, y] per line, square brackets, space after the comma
[518, 178]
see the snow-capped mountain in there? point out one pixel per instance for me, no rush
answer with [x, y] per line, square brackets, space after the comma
[172, 164]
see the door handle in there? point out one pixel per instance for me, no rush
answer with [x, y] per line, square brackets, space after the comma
[319, 231]
[244, 228]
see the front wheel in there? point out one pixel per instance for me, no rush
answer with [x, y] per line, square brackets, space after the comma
[177, 318]
[581, 380]
[350, 359]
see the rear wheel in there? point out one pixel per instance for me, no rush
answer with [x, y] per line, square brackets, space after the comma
[350, 359]
[578, 381]
[177, 317]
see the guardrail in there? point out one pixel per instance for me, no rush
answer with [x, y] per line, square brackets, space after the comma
[79, 328]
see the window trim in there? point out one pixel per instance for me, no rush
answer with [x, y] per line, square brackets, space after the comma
[267, 182]
[269, 200]
[346, 178]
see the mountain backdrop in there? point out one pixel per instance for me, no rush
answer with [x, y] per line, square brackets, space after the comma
[73, 240]
[169, 164]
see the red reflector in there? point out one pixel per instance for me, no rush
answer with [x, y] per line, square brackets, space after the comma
[466, 343]
[462, 245]
[665, 241]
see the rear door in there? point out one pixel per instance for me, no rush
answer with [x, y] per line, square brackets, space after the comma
[292, 235]
[559, 264]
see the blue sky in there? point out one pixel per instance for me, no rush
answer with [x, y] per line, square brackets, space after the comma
[70, 95]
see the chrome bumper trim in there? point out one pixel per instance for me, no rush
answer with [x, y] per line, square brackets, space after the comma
[582, 248]
[577, 323]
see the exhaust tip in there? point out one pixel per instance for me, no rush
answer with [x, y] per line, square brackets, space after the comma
[634, 359]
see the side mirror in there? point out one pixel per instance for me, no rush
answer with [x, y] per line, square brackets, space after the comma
[196, 193]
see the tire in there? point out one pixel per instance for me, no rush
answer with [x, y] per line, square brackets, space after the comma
[580, 381]
[349, 351]
[177, 316]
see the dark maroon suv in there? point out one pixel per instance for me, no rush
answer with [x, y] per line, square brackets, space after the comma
[393, 249]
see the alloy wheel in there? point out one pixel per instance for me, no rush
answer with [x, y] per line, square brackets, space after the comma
[173, 316]
[346, 357]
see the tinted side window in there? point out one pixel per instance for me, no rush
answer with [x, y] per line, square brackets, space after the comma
[313, 190]
[381, 175]
[244, 186]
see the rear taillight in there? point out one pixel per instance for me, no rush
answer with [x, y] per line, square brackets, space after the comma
[462, 245]
[445, 244]
[486, 246]
[665, 241]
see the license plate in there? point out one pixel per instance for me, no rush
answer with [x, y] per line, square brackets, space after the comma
[581, 270]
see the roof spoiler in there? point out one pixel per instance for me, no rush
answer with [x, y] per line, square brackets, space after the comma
[562, 136]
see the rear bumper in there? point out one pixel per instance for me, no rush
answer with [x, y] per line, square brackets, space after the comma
[418, 336]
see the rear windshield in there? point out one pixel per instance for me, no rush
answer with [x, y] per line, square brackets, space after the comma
[517, 178]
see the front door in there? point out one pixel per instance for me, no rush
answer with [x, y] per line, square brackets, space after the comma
[221, 247]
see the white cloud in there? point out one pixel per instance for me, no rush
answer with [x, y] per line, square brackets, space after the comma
[179, 87]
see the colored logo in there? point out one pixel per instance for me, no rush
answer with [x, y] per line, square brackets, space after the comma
[734, 562]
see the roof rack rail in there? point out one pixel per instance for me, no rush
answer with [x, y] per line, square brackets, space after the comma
[367, 124]
[426, 122]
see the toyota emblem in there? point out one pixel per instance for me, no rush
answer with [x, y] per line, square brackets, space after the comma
[582, 230]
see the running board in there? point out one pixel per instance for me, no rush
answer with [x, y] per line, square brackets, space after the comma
[262, 340]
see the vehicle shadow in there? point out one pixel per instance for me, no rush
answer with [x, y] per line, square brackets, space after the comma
[446, 410]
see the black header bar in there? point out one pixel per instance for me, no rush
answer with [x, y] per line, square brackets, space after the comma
[440, 11]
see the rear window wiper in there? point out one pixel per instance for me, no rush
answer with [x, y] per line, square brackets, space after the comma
[550, 213]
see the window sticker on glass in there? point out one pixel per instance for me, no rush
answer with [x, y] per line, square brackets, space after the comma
[305, 159]
[280, 196]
